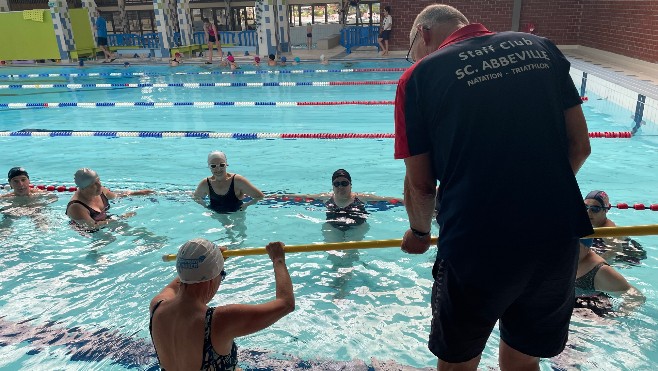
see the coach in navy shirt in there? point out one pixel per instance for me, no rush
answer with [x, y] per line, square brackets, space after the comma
[496, 120]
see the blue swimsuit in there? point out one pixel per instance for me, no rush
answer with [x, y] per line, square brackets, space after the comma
[211, 360]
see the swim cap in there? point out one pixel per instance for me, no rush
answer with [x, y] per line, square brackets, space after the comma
[85, 177]
[283, 58]
[199, 260]
[297, 59]
[246, 52]
[599, 196]
[272, 56]
[216, 154]
[341, 173]
[230, 59]
[322, 57]
[178, 55]
[229, 54]
[16, 171]
[257, 59]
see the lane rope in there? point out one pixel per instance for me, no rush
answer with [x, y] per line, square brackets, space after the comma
[638, 230]
[200, 84]
[238, 136]
[245, 72]
[193, 104]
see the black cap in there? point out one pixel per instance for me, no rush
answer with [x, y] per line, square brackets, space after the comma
[341, 173]
[16, 171]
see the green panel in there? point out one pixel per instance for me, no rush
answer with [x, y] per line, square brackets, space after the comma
[25, 39]
[84, 38]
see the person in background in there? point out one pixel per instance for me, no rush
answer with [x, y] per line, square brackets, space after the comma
[309, 35]
[213, 38]
[387, 26]
[176, 60]
[271, 60]
[188, 334]
[89, 205]
[101, 37]
[450, 127]
[224, 190]
[23, 201]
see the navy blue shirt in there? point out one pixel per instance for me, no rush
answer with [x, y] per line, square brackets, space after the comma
[489, 109]
[101, 27]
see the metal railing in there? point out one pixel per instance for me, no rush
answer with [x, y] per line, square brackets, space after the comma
[354, 36]
[152, 40]
[147, 40]
[238, 38]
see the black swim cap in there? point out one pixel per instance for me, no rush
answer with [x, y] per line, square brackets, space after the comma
[341, 173]
[16, 171]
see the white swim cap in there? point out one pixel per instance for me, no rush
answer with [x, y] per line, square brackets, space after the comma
[218, 155]
[85, 177]
[322, 57]
[199, 260]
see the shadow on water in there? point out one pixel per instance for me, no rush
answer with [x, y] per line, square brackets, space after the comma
[84, 345]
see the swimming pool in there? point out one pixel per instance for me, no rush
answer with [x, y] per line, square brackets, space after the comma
[81, 302]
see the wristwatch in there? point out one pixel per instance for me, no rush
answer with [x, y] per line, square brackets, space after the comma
[418, 233]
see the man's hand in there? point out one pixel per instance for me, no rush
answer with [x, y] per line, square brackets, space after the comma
[412, 244]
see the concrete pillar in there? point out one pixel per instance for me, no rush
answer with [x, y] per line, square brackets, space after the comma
[123, 22]
[4, 5]
[164, 20]
[185, 22]
[59, 11]
[273, 28]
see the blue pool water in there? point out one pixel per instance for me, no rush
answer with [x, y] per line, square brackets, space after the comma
[69, 301]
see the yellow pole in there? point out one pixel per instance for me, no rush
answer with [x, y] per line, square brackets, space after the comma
[635, 230]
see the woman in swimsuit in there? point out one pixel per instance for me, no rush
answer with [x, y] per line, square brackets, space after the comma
[213, 38]
[89, 204]
[189, 335]
[225, 191]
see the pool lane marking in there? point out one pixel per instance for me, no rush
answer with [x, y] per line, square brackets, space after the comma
[251, 72]
[24, 105]
[239, 136]
[195, 85]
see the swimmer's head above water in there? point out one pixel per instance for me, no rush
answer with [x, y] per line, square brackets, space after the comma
[199, 260]
[85, 177]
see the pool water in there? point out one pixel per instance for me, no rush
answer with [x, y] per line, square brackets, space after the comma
[72, 301]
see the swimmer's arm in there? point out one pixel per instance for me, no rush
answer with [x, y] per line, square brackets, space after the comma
[371, 197]
[607, 279]
[577, 136]
[201, 193]
[112, 195]
[316, 196]
[80, 215]
[245, 187]
[167, 293]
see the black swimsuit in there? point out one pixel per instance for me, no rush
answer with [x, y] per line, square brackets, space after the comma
[586, 281]
[96, 215]
[345, 217]
[226, 203]
[211, 360]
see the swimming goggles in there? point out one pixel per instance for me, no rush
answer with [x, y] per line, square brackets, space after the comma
[343, 183]
[212, 166]
[595, 209]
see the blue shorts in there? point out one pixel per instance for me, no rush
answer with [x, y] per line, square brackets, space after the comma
[101, 41]
[530, 288]
[385, 35]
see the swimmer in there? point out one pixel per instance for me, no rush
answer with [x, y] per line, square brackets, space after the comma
[23, 200]
[189, 335]
[296, 61]
[89, 205]
[283, 60]
[345, 208]
[231, 61]
[224, 190]
[271, 61]
[177, 60]
[323, 59]
[257, 61]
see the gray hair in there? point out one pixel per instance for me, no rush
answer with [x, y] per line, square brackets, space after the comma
[437, 14]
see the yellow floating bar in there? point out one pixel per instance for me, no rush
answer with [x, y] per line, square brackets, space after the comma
[635, 230]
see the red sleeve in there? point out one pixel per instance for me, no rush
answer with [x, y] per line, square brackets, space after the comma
[401, 143]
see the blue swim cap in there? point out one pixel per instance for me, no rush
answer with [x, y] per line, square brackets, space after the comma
[283, 58]
[297, 59]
